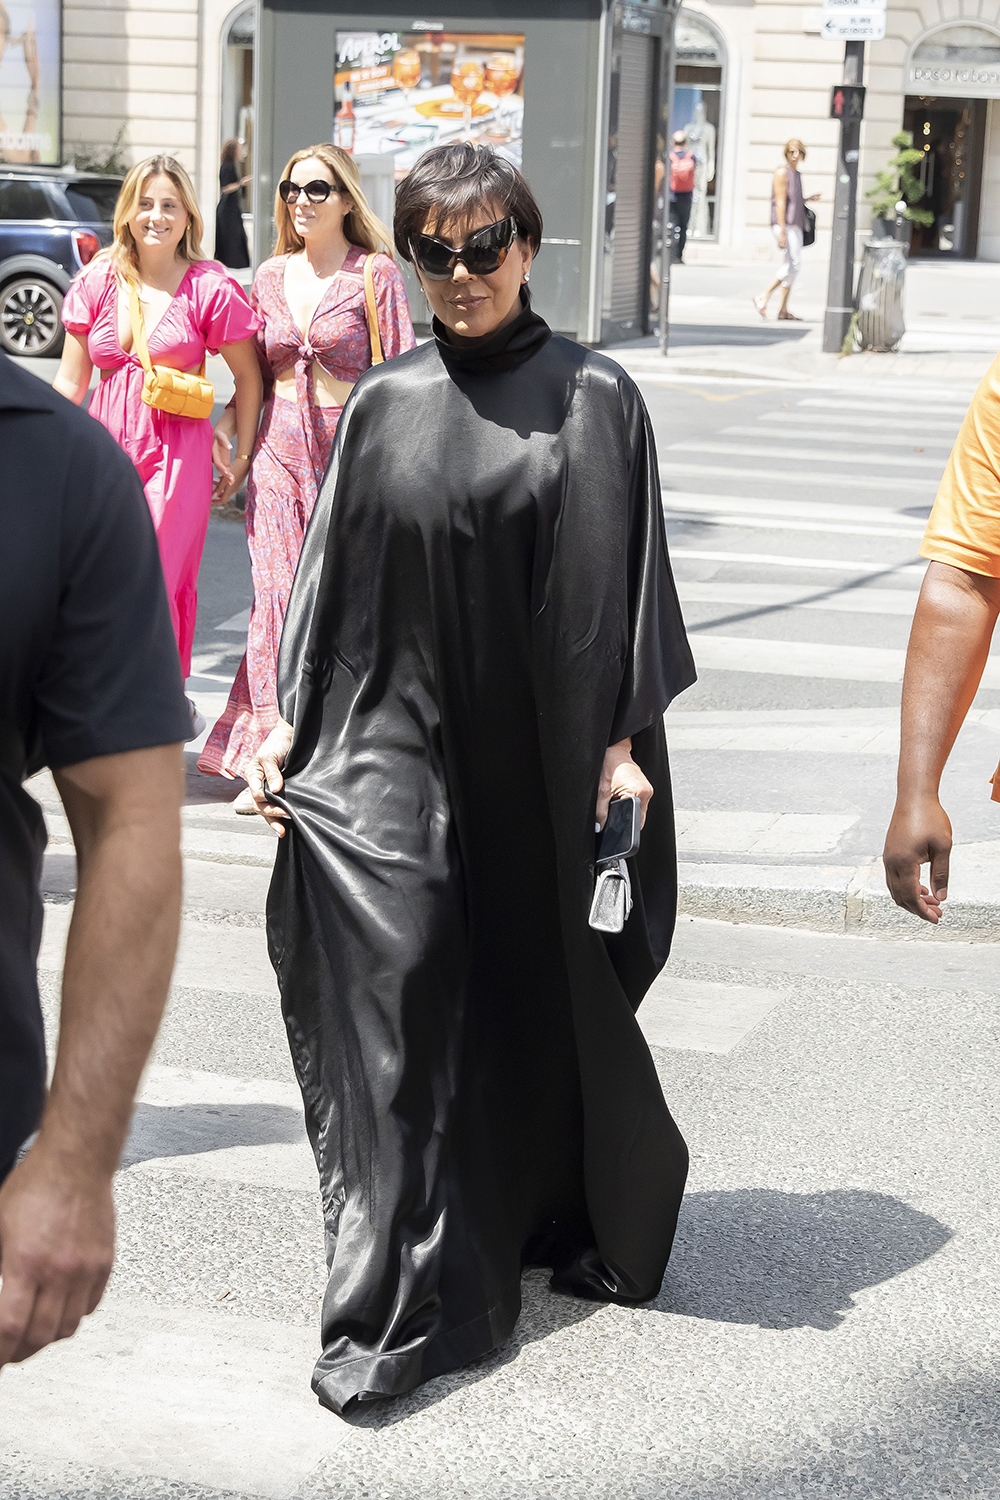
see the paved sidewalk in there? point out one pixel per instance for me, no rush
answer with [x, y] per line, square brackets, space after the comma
[952, 320]
[826, 1326]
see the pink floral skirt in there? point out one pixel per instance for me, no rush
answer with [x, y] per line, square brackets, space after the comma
[280, 498]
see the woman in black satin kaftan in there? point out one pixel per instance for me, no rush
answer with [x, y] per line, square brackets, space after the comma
[483, 607]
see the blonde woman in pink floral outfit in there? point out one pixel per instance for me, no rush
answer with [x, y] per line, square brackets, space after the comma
[314, 345]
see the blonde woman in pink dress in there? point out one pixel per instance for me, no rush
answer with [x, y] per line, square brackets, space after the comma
[190, 306]
[314, 344]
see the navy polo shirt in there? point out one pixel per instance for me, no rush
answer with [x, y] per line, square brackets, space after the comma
[88, 666]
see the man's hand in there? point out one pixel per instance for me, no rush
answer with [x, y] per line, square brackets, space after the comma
[56, 1217]
[621, 777]
[949, 643]
[919, 834]
[57, 1236]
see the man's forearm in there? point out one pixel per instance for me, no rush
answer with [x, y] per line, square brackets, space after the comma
[119, 958]
[947, 652]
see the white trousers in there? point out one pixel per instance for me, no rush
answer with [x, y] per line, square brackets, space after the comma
[792, 263]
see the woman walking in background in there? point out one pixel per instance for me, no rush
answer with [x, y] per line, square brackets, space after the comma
[185, 306]
[321, 331]
[787, 226]
[230, 236]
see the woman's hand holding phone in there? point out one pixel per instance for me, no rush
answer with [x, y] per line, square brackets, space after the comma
[621, 777]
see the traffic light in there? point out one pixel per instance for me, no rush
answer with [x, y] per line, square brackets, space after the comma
[847, 101]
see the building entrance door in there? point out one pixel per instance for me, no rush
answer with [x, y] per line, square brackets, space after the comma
[952, 135]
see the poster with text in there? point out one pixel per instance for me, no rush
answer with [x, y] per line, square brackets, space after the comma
[400, 92]
[29, 81]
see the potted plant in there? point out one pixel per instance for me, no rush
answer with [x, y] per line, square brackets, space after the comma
[897, 189]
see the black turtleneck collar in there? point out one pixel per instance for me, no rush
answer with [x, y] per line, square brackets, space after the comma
[506, 349]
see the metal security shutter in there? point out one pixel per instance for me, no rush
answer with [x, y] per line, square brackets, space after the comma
[630, 275]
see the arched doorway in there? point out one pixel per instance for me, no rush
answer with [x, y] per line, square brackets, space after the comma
[951, 73]
[236, 93]
[699, 86]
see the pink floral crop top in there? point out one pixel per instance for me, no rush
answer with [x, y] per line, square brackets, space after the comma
[337, 337]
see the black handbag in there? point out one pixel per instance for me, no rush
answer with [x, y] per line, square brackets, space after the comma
[808, 225]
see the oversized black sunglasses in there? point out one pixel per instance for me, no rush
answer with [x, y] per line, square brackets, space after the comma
[483, 252]
[316, 191]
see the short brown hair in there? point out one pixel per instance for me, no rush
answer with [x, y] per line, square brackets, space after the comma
[795, 145]
[449, 183]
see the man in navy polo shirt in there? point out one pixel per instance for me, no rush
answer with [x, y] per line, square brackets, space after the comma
[90, 686]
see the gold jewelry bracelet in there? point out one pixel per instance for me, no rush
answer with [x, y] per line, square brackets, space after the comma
[241, 456]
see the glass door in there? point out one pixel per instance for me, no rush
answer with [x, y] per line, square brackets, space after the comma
[951, 133]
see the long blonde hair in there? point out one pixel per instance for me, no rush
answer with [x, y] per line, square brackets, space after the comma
[361, 226]
[123, 252]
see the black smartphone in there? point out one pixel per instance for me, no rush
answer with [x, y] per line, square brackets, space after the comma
[620, 835]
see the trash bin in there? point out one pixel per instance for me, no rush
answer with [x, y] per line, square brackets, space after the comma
[879, 301]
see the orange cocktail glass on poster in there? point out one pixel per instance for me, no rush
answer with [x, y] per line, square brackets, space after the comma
[406, 69]
[502, 72]
[468, 80]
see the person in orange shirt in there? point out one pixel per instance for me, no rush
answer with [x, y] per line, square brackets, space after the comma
[949, 643]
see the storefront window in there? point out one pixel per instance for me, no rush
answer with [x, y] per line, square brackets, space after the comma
[699, 79]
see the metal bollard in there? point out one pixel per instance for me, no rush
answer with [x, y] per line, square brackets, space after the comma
[878, 323]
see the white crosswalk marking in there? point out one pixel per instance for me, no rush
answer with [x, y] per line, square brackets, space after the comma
[774, 523]
[915, 441]
[818, 421]
[691, 500]
[775, 560]
[778, 633]
[842, 599]
[914, 410]
[804, 480]
[813, 455]
[760, 833]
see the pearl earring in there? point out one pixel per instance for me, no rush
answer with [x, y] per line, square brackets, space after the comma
[527, 277]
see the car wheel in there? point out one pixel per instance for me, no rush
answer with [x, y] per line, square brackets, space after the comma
[29, 318]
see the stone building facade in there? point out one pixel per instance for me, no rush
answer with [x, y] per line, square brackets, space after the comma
[749, 76]
[141, 77]
[763, 74]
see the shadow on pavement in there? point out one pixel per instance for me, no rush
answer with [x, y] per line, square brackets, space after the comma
[684, 334]
[790, 1260]
[164, 1130]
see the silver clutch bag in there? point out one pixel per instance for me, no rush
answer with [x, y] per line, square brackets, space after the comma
[612, 901]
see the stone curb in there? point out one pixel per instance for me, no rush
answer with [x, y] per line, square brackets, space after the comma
[817, 898]
[844, 898]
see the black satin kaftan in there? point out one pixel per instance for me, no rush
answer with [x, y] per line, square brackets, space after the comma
[483, 605]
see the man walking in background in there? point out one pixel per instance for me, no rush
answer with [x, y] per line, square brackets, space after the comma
[682, 165]
[949, 642]
[90, 686]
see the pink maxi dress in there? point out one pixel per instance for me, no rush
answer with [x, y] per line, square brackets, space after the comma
[172, 454]
[290, 458]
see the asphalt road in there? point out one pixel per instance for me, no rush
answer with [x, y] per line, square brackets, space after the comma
[827, 1323]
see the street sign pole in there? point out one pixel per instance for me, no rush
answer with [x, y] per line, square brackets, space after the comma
[840, 290]
[667, 58]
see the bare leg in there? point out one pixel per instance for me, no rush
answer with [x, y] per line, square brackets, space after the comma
[760, 303]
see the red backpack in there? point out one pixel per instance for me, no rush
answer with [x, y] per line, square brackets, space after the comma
[681, 172]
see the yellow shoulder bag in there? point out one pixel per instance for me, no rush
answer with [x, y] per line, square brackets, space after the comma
[373, 333]
[168, 390]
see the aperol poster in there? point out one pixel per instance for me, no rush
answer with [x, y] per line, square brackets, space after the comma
[399, 92]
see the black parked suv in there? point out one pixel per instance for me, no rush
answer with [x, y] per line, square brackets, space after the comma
[52, 222]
